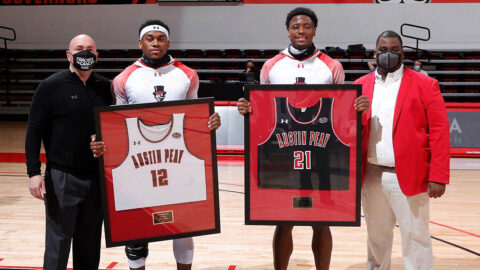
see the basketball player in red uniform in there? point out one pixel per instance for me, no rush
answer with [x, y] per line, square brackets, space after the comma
[302, 62]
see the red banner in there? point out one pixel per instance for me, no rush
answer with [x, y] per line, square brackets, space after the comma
[358, 1]
[73, 2]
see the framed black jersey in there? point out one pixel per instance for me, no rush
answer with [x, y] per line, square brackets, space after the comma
[159, 173]
[302, 155]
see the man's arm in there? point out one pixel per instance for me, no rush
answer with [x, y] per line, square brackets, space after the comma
[439, 141]
[38, 120]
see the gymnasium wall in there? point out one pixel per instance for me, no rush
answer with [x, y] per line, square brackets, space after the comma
[243, 26]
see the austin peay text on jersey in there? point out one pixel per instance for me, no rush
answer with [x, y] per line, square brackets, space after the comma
[293, 138]
[157, 156]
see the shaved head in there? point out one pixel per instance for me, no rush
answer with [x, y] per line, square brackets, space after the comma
[84, 41]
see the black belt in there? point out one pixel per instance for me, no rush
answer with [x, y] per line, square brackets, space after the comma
[385, 168]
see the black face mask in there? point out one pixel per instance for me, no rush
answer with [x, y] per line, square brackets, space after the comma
[84, 60]
[389, 61]
[308, 52]
[155, 63]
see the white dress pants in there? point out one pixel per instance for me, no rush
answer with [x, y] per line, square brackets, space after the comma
[384, 204]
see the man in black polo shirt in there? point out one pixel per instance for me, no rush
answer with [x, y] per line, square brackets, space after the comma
[62, 116]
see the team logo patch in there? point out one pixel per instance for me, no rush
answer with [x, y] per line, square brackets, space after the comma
[159, 93]
[323, 120]
[176, 135]
[162, 217]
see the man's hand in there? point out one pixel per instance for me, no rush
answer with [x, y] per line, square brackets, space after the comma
[97, 147]
[244, 106]
[435, 190]
[37, 186]
[362, 104]
[214, 121]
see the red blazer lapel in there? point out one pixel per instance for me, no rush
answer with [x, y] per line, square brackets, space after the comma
[368, 91]
[402, 93]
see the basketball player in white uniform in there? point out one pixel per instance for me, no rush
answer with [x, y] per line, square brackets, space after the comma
[302, 63]
[156, 77]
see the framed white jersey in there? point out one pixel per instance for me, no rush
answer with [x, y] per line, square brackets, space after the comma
[159, 173]
[159, 169]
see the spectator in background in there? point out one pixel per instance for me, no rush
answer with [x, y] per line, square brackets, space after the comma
[250, 74]
[417, 66]
[372, 66]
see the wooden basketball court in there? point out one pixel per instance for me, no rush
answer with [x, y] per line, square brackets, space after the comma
[455, 225]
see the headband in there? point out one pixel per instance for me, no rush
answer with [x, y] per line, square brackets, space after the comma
[154, 27]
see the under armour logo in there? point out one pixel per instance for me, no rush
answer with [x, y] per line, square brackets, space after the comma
[301, 66]
[74, 97]
[155, 27]
[136, 142]
[284, 121]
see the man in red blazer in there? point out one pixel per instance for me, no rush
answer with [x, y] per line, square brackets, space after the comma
[405, 155]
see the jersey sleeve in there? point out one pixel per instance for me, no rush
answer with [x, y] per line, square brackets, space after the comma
[338, 75]
[265, 73]
[194, 84]
[119, 89]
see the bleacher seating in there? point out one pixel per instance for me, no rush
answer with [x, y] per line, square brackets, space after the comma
[457, 71]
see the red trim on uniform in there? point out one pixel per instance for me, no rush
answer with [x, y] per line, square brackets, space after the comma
[188, 71]
[119, 82]
[338, 75]
[192, 76]
[231, 267]
[265, 73]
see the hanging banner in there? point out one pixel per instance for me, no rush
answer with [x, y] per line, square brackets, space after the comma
[358, 1]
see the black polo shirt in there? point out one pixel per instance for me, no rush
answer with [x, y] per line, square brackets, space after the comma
[62, 115]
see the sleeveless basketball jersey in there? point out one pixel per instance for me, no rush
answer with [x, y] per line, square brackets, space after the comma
[303, 151]
[159, 169]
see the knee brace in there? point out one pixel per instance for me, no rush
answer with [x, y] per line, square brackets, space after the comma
[135, 252]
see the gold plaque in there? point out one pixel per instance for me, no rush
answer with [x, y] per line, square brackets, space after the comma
[162, 217]
[302, 202]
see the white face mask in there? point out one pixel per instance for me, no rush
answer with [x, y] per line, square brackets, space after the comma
[416, 68]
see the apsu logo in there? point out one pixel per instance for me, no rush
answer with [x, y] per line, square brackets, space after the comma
[402, 1]
[159, 93]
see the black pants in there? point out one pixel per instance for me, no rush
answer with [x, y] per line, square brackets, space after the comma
[73, 211]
